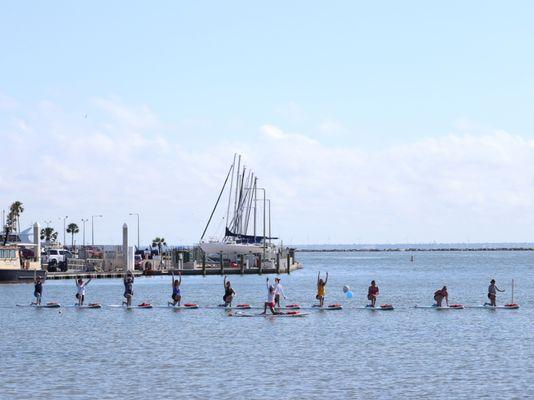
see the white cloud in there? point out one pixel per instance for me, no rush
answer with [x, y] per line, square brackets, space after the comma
[123, 159]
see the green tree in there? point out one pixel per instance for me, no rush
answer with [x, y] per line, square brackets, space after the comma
[159, 243]
[15, 210]
[13, 218]
[73, 229]
[49, 234]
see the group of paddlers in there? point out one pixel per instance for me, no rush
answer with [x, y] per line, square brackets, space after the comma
[275, 292]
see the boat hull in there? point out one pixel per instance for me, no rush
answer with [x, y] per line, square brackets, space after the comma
[231, 248]
[19, 275]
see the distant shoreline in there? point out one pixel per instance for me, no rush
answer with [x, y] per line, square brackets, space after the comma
[415, 249]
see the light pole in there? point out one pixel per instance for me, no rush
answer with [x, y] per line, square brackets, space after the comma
[93, 227]
[83, 222]
[64, 229]
[138, 247]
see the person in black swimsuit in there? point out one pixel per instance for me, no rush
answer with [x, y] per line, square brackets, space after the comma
[38, 289]
[128, 288]
[229, 293]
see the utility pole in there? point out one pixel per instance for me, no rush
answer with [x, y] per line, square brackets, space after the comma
[83, 222]
[93, 227]
[137, 214]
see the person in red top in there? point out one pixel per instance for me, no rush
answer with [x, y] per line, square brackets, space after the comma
[441, 294]
[372, 293]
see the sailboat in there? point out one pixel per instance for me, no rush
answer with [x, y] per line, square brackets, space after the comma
[243, 233]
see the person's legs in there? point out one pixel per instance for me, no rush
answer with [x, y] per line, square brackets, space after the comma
[321, 301]
[264, 308]
[271, 306]
[493, 300]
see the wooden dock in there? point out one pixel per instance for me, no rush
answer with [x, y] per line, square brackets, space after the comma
[185, 272]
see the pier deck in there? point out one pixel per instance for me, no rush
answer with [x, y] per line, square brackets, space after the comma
[184, 272]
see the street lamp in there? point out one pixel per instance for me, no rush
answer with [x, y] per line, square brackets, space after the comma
[93, 227]
[83, 222]
[138, 247]
[64, 229]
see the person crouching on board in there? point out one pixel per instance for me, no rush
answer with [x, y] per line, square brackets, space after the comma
[176, 295]
[441, 294]
[270, 299]
[38, 289]
[80, 290]
[321, 288]
[278, 291]
[229, 293]
[372, 293]
[128, 288]
[492, 293]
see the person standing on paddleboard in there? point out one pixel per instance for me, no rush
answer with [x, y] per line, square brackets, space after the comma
[278, 291]
[176, 295]
[492, 293]
[270, 299]
[128, 288]
[38, 288]
[441, 294]
[321, 288]
[372, 293]
[229, 293]
[80, 290]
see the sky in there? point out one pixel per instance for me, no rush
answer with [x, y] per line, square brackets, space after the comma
[367, 122]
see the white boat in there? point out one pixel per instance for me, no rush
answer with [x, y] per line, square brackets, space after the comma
[248, 219]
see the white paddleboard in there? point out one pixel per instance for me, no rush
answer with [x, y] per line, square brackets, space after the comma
[281, 315]
[51, 305]
[514, 307]
[85, 306]
[442, 308]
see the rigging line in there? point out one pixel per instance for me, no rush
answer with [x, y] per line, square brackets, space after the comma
[216, 204]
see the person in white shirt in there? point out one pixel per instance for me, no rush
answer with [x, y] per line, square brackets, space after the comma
[80, 292]
[278, 291]
[270, 299]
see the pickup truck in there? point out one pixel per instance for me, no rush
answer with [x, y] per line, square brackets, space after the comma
[56, 259]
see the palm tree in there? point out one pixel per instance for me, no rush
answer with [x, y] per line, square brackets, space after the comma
[159, 243]
[15, 210]
[12, 219]
[72, 228]
[48, 234]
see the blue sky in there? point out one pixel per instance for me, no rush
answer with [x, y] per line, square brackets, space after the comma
[208, 77]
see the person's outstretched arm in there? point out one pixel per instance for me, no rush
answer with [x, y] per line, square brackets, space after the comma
[224, 282]
[318, 277]
[180, 277]
[500, 290]
[326, 280]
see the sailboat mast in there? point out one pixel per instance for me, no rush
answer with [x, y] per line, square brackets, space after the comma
[232, 168]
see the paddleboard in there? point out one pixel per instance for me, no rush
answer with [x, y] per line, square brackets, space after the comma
[383, 307]
[505, 307]
[181, 307]
[452, 307]
[289, 314]
[331, 307]
[48, 305]
[95, 305]
[129, 308]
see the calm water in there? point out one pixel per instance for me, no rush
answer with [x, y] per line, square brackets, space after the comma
[200, 354]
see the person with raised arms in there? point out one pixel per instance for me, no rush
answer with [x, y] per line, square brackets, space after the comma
[492, 294]
[176, 295]
[270, 299]
[128, 288]
[372, 293]
[321, 288]
[278, 291]
[38, 288]
[80, 290]
[229, 293]
[441, 294]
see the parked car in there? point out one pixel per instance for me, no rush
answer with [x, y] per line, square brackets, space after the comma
[57, 259]
[93, 252]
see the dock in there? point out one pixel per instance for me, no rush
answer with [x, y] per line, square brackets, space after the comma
[208, 270]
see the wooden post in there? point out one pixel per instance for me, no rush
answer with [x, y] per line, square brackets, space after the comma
[288, 264]
[222, 266]
[260, 264]
[242, 264]
[278, 263]
[204, 264]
